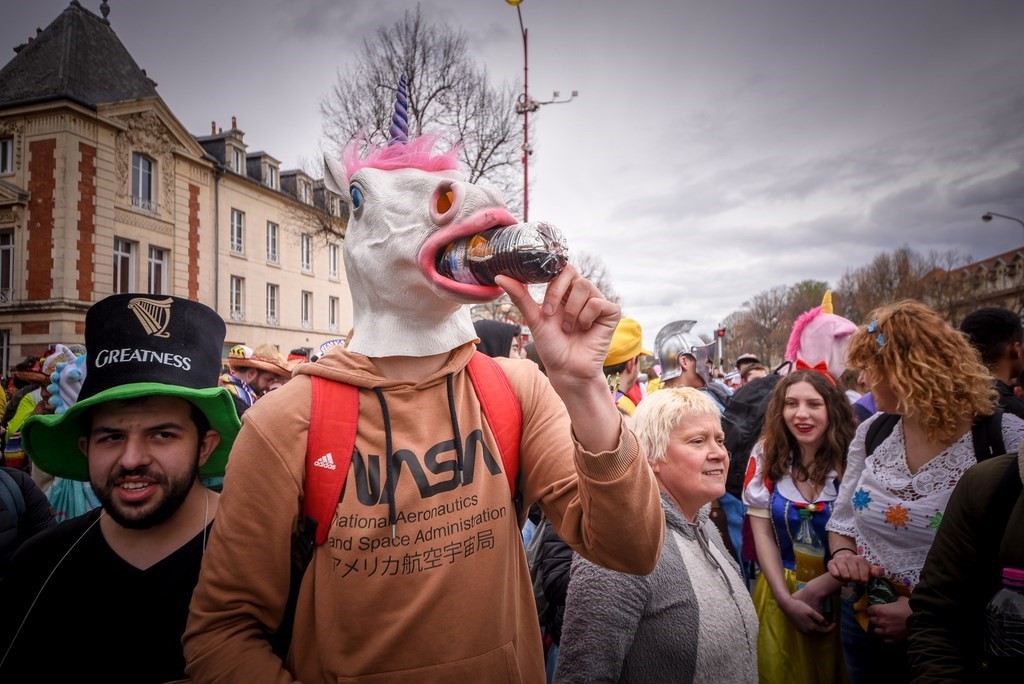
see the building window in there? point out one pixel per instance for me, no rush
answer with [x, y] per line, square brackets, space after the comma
[272, 177]
[239, 161]
[306, 246]
[158, 270]
[6, 267]
[304, 192]
[237, 232]
[142, 182]
[272, 294]
[124, 266]
[332, 314]
[271, 242]
[307, 309]
[332, 260]
[236, 298]
[6, 158]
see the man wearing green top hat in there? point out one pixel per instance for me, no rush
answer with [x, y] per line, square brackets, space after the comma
[149, 420]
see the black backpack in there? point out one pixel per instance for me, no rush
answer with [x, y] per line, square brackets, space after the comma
[987, 433]
[742, 423]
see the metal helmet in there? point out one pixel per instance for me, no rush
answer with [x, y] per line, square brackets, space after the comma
[676, 339]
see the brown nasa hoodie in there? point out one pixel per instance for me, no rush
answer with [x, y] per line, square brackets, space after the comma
[443, 596]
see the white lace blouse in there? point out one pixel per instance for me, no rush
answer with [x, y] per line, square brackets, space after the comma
[893, 515]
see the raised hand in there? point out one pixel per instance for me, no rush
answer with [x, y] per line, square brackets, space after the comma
[572, 328]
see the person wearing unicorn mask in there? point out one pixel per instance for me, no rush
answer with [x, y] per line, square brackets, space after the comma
[819, 340]
[419, 571]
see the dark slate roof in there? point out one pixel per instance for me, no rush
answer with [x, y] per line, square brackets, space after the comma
[78, 57]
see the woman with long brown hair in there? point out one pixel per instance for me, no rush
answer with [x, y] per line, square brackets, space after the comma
[793, 475]
[931, 388]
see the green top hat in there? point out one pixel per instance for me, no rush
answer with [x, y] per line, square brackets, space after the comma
[140, 346]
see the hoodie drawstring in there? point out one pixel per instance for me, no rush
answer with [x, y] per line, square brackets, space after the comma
[459, 453]
[389, 459]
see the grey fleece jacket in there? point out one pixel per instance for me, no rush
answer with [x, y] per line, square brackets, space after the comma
[691, 620]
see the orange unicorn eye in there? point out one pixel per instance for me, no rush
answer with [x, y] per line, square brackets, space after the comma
[445, 201]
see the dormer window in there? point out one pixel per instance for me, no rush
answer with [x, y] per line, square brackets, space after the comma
[272, 180]
[239, 161]
[142, 182]
[304, 192]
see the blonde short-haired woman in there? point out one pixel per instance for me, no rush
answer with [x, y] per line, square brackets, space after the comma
[691, 619]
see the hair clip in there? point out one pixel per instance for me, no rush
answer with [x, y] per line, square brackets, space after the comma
[872, 328]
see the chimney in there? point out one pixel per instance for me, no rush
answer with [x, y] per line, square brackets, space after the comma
[234, 124]
[213, 128]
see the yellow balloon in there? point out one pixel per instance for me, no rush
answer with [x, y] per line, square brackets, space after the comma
[513, 2]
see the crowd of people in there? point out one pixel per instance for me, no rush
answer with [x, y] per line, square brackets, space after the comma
[891, 590]
[430, 502]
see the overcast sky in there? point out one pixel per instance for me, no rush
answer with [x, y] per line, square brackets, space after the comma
[717, 148]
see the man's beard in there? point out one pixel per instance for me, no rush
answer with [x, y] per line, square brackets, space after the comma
[176, 492]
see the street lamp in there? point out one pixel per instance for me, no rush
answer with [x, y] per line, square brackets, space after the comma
[524, 105]
[987, 216]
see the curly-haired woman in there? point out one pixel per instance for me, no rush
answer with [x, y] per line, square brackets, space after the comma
[796, 466]
[892, 499]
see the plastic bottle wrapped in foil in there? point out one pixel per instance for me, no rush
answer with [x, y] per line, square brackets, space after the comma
[533, 252]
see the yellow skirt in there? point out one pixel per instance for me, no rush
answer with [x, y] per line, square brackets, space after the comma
[784, 654]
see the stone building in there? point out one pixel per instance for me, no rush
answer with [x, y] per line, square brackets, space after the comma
[102, 190]
[996, 281]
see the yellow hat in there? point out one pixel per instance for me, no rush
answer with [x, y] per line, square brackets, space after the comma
[627, 343]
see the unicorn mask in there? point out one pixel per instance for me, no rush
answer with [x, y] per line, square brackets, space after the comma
[406, 205]
[821, 338]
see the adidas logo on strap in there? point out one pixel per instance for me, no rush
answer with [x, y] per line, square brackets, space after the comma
[325, 461]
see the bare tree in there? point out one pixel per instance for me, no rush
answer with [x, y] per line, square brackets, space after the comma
[762, 326]
[448, 93]
[904, 274]
[802, 297]
[593, 268]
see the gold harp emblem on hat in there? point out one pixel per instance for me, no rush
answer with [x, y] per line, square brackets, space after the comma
[153, 314]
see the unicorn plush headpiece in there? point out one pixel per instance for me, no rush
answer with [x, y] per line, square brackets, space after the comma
[407, 204]
[820, 339]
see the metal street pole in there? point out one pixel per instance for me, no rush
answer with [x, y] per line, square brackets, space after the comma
[987, 216]
[526, 118]
[527, 105]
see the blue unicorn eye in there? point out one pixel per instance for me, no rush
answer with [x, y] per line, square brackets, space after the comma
[357, 196]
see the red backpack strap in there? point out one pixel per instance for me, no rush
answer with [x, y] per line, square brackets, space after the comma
[501, 410]
[332, 437]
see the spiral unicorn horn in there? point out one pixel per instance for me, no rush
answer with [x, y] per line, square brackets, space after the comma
[400, 119]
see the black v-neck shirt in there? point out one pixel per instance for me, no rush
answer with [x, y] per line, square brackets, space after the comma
[99, 618]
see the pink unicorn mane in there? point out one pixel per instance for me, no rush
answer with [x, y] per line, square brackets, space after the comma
[415, 154]
[793, 346]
